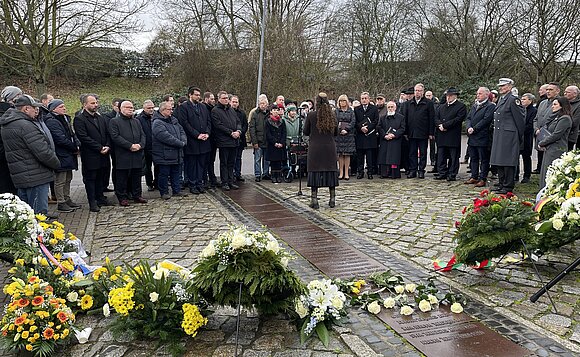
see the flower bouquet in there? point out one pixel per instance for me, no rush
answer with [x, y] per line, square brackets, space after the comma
[322, 305]
[559, 206]
[35, 320]
[156, 301]
[493, 225]
[253, 259]
[18, 228]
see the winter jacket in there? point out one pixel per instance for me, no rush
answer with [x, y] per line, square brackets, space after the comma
[125, 132]
[168, 140]
[30, 160]
[65, 142]
[195, 120]
[257, 128]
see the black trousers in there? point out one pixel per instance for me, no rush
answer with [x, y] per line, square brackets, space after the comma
[506, 175]
[125, 178]
[93, 180]
[448, 161]
[418, 163]
[360, 159]
[195, 166]
[479, 162]
[540, 158]
[150, 175]
[227, 162]
[209, 175]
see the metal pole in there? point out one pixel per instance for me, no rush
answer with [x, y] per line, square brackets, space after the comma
[261, 63]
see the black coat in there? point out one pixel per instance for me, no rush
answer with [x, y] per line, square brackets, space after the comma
[390, 150]
[168, 140]
[275, 133]
[93, 134]
[244, 122]
[528, 145]
[451, 116]
[480, 118]
[225, 121]
[370, 119]
[66, 143]
[321, 146]
[419, 118]
[146, 121]
[6, 184]
[195, 119]
[125, 132]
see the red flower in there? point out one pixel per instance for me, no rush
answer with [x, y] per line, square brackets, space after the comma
[483, 193]
[464, 209]
[476, 209]
[526, 203]
[48, 333]
[496, 199]
[23, 302]
[509, 195]
[477, 203]
[457, 224]
[38, 300]
[62, 316]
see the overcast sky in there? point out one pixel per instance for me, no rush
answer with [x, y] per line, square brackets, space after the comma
[149, 19]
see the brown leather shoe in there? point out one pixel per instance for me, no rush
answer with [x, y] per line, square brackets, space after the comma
[471, 181]
[140, 200]
[480, 183]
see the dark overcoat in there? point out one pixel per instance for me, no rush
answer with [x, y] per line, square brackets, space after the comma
[146, 121]
[275, 132]
[195, 119]
[125, 132]
[225, 121]
[345, 144]
[451, 116]
[66, 144]
[556, 144]
[508, 131]
[321, 146]
[390, 150]
[93, 134]
[370, 119]
[480, 118]
[419, 118]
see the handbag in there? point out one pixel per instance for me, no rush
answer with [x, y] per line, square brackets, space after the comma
[543, 134]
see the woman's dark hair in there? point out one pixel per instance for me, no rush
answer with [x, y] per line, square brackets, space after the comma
[325, 120]
[565, 104]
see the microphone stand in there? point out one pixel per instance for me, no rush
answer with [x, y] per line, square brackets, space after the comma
[298, 163]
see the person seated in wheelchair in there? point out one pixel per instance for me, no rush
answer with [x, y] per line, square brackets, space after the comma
[294, 139]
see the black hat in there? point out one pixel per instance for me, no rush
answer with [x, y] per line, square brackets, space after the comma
[452, 90]
[25, 100]
[380, 95]
[409, 90]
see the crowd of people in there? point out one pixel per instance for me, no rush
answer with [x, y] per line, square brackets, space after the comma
[175, 145]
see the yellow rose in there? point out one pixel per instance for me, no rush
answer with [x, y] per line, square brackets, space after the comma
[29, 347]
[456, 308]
[20, 262]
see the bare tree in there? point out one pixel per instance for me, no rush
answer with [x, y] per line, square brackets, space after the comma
[43, 33]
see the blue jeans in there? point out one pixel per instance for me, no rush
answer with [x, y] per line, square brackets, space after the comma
[36, 197]
[167, 172]
[260, 162]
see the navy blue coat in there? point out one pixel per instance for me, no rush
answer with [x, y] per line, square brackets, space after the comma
[168, 140]
[480, 118]
[66, 144]
[195, 120]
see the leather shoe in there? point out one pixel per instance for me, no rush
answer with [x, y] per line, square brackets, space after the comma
[234, 186]
[226, 187]
[439, 177]
[480, 183]
[94, 207]
[181, 194]
[412, 175]
[194, 191]
[258, 179]
[360, 176]
[139, 200]
[421, 175]
[471, 181]
[370, 176]
[451, 178]
[432, 171]
[124, 203]
[347, 178]
[240, 179]
[525, 180]
[201, 189]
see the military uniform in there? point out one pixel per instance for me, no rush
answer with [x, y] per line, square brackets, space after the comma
[508, 130]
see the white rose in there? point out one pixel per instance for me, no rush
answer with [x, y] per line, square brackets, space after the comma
[432, 299]
[337, 303]
[399, 289]
[73, 296]
[374, 307]
[558, 224]
[238, 241]
[407, 310]
[389, 303]
[574, 216]
[410, 288]
[106, 310]
[159, 273]
[273, 246]
[577, 168]
[208, 251]
[153, 297]
[301, 310]
[456, 308]
[424, 305]
[284, 262]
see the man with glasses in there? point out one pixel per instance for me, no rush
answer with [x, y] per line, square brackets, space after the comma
[129, 138]
[31, 159]
[544, 112]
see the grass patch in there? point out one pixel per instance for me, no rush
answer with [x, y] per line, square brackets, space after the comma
[528, 191]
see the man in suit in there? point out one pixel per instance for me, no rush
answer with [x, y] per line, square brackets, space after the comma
[92, 132]
[478, 123]
[448, 121]
[367, 118]
[508, 132]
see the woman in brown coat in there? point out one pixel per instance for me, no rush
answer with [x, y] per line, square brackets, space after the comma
[321, 127]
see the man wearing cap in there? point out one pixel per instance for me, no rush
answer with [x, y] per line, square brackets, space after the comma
[31, 159]
[448, 121]
[508, 130]
[544, 112]
[66, 147]
[419, 115]
[7, 97]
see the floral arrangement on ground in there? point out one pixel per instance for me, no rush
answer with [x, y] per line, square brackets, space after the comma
[559, 204]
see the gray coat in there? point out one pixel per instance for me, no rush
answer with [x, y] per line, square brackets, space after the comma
[30, 159]
[509, 123]
[168, 140]
[556, 144]
[124, 133]
[544, 112]
[573, 137]
[345, 144]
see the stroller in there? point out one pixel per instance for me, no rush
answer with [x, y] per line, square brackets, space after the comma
[297, 155]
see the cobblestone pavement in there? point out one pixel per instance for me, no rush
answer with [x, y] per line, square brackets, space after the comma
[409, 219]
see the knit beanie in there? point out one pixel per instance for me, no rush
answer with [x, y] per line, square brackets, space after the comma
[53, 104]
[9, 93]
